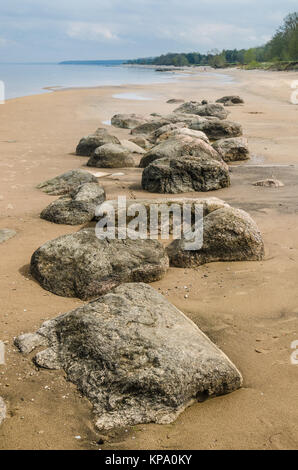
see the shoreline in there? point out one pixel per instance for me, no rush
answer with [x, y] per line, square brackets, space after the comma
[248, 309]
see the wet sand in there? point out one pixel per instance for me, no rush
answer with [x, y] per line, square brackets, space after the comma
[250, 310]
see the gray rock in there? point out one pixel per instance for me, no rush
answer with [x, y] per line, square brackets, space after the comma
[232, 149]
[178, 146]
[228, 235]
[185, 174]
[81, 265]
[76, 208]
[216, 129]
[6, 234]
[27, 342]
[140, 141]
[209, 204]
[182, 131]
[155, 135]
[88, 144]
[269, 183]
[149, 127]
[187, 119]
[2, 410]
[132, 147]
[233, 99]
[136, 357]
[128, 121]
[67, 182]
[194, 107]
[111, 156]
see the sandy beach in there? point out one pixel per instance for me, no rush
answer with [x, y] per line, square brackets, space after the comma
[248, 309]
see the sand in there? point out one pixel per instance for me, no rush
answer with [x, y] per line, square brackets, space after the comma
[250, 310]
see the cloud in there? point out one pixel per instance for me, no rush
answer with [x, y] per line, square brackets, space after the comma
[90, 32]
[54, 30]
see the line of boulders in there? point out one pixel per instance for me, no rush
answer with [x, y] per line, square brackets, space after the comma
[135, 356]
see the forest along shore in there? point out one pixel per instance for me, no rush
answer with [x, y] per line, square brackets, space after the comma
[248, 309]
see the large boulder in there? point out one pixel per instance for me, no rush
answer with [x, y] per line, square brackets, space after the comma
[232, 149]
[234, 99]
[88, 144]
[128, 121]
[111, 156]
[67, 182]
[149, 127]
[82, 265]
[208, 204]
[185, 174]
[136, 357]
[6, 234]
[76, 208]
[194, 107]
[2, 410]
[178, 146]
[187, 119]
[216, 129]
[182, 131]
[141, 141]
[132, 147]
[155, 135]
[228, 235]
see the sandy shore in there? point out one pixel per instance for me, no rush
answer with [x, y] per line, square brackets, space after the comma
[250, 310]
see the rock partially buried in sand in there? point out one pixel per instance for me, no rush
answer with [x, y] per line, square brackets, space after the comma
[149, 127]
[2, 410]
[185, 174]
[81, 265]
[112, 156]
[88, 144]
[132, 147]
[152, 206]
[188, 119]
[228, 235]
[178, 146]
[269, 183]
[174, 101]
[194, 107]
[128, 121]
[155, 135]
[232, 149]
[136, 357]
[216, 129]
[234, 99]
[140, 141]
[6, 234]
[67, 182]
[180, 131]
[76, 208]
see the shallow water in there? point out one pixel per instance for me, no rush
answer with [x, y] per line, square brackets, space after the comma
[30, 79]
[131, 96]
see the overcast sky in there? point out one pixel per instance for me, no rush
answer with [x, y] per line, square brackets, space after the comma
[54, 30]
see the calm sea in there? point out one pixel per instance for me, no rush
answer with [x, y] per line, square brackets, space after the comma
[29, 79]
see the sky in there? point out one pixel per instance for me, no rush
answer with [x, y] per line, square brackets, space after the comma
[55, 30]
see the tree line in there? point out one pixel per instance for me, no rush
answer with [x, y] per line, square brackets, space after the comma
[282, 47]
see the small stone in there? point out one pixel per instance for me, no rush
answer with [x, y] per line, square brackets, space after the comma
[6, 234]
[269, 183]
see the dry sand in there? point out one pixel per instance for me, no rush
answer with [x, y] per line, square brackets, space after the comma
[250, 310]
